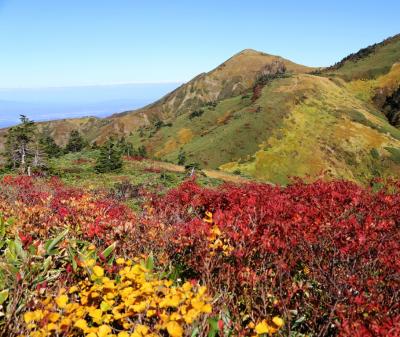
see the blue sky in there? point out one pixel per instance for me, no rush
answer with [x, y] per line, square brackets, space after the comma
[46, 43]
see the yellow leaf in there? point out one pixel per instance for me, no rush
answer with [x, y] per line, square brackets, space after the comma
[73, 289]
[65, 322]
[120, 261]
[98, 271]
[207, 309]
[251, 325]
[104, 306]
[123, 334]
[190, 316]
[262, 328]
[62, 301]
[96, 314]
[175, 316]
[172, 301]
[89, 263]
[187, 287]
[208, 217]
[29, 316]
[142, 329]
[81, 324]
[200, 305]
[174, 329]
[279, 322]
[53, 317]
[103, 331]
[51, 327]
[150, 313]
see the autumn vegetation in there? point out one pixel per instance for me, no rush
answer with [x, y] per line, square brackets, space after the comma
[100, 238]
[317, 259]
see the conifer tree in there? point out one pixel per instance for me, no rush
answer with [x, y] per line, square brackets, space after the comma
[76, 143]
[181, 157]
[125, 147]
[49, 145]
[19, 148]
[109, 159]
[40, 156]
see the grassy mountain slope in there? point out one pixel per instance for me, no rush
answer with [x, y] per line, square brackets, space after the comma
[60, 129]
[369, 62]
[301, 125]
[229, 79]
[333, 122]
[373, 75]
[332, 125]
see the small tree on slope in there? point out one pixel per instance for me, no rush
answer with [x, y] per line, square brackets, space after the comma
[109, 159]
[75, 143]
[21, 150]
[49, 145]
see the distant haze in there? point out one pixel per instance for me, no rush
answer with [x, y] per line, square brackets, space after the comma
[41, 104]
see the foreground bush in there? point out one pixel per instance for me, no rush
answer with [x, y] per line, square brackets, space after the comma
[307, 260]
[135, 303]
[326, 255]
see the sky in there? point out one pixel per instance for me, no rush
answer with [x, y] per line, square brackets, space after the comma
[41, 104]
[48, 43]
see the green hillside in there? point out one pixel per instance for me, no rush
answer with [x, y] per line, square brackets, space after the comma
[369, 62]
[262, 116]
[373, 75]
[330, 124]
[302, 125]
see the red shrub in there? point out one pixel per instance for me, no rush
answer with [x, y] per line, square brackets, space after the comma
[44, 207]
[325, 253]
[324, 256]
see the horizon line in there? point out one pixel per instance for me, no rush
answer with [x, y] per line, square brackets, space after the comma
[92, 85]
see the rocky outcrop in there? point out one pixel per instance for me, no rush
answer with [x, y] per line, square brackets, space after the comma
[391, 108]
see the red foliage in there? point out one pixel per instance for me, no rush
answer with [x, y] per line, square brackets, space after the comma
[326, 255]
[42, 208]
[329, 251]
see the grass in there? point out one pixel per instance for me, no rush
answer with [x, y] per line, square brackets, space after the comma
[235, 127]
[300, 125]
[375, 64]
[394, 154]
[322, 137]
[306, 126]
[76, 169]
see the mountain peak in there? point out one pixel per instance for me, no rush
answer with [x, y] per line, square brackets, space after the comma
[249, 51]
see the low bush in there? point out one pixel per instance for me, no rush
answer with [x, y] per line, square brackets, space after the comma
[320, 259]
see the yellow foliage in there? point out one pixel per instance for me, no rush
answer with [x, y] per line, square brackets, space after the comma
[185, 135]
[136, 300]
[62, 301]
[174, 329]
[218, 243]
[264, 328]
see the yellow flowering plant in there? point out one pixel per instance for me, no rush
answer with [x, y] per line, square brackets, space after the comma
[135, 303]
